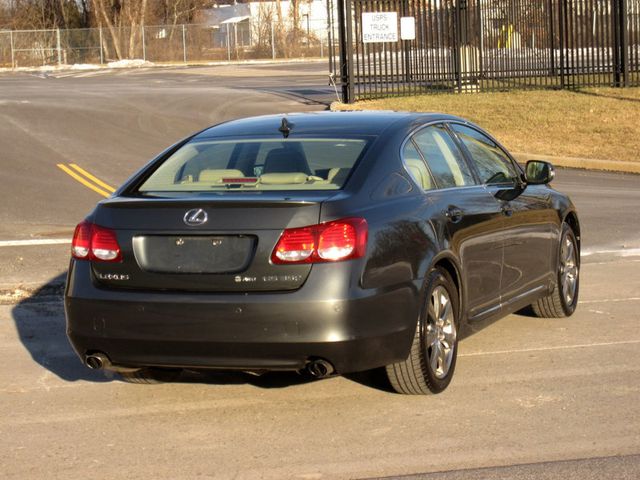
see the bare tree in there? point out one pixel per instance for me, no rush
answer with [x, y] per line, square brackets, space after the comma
[116, 15]
[174, 12]
[43, 14]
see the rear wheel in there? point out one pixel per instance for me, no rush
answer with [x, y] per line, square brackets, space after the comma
[151, 375]
[563, 300]
[432, 359]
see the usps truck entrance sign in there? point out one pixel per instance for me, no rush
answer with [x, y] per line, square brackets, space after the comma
[379, 27]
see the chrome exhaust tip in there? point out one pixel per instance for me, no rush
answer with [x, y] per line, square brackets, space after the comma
[97, 361]
[320, 368]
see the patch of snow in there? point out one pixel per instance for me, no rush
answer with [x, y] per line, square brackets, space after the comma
[137, 62]
[83, 66]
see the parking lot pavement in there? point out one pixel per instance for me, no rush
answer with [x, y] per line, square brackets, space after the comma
[526, 390]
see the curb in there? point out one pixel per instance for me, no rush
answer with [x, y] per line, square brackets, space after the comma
[582, 163]
[557, 161]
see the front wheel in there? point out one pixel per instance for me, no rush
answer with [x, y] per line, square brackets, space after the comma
[432, 359]
[563, 300]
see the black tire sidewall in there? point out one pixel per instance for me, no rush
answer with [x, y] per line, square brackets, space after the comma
[438, 277]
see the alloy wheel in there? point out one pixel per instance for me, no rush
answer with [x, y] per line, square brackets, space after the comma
[568, 269]
[440, 334]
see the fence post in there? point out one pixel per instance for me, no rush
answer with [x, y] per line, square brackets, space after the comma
[624, 43]
[13, 55]
[458, 48]
[101, 52]
[273, 41]
[346, 49]
[480, 71]
[552, 39]
[235, 39]
[144, 47]
[58, 46]
[184, 44]
[563, 41]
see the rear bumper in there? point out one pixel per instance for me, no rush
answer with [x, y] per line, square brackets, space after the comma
[352, 328]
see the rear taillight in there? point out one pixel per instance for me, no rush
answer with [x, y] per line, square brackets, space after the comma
[328, 242]
[93, 242]
[81, 243]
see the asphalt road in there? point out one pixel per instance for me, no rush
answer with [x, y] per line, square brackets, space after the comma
[532, 398]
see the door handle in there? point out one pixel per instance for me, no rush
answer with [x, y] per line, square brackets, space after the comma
[507, 210]
[453, 214]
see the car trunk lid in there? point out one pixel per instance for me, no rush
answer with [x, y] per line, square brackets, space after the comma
[229, 252]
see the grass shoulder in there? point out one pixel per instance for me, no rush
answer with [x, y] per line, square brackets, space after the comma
[594, 123]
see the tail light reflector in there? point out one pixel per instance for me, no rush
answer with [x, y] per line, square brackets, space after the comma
[93, 242]
[295, 245]
[327, 242]
[81, 243]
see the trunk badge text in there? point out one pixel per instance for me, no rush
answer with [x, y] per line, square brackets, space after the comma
[195, 217]
[113, 276]
[268, 278]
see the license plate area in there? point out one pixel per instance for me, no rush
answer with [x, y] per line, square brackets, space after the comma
[193, 253]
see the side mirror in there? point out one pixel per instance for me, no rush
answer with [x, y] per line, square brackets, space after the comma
[538, 172]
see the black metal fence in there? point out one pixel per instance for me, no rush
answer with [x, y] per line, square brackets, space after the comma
[481, 45]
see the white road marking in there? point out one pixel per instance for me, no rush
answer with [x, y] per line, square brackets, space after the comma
[544, 349]
[620, 252]
[39, 241]
[608, 300]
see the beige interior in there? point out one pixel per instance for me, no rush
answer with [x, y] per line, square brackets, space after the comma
[283, 178]
[216, 176]
[450, 159]
[419, 172]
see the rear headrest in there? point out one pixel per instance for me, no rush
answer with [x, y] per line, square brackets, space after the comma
[332, 173]
[216, 176]
[285, 160]
[283, 178]
[419, 172]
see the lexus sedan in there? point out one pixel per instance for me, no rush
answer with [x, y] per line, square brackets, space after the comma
[324, 243]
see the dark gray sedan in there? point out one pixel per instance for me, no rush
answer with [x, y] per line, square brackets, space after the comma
[324, 243]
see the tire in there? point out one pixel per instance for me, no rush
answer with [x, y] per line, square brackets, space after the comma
[151, 375]
[425, 371]
[562, 302]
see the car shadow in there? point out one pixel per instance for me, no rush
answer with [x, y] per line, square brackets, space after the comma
[376, 379]
[526, 312]
[39, 321]
[40, 324]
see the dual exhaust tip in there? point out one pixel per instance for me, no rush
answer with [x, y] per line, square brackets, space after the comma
[97, 361]
[318, 368]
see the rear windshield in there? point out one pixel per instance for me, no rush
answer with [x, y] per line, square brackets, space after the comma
[264, 164]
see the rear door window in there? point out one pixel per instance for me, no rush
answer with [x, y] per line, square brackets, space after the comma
[447, 165]
[416, 166]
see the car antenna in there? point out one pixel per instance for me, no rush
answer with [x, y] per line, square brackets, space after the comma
[285, 127]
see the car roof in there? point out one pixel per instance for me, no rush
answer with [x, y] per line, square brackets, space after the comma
[325, 123]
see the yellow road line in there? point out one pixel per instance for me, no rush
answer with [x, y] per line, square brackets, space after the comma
[84, 182]
[96, 180]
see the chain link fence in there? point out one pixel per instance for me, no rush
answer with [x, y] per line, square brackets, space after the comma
[234, 40]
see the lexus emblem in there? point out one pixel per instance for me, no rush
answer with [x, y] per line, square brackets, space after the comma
[195, 217]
